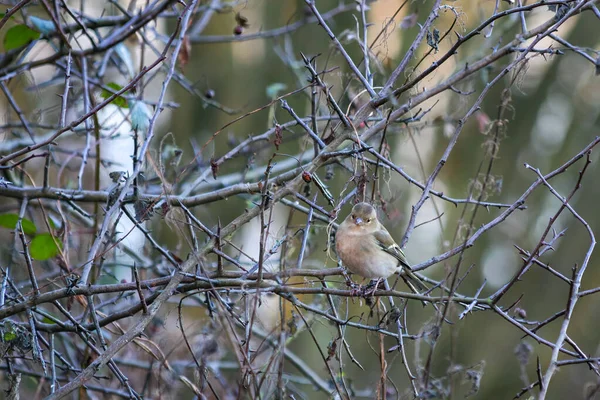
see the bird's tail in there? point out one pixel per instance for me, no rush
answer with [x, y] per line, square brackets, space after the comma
[414, 283]
[413, 278]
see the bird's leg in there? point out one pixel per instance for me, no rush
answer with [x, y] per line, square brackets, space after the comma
[349, 282]
[355, 289]
[371, 287]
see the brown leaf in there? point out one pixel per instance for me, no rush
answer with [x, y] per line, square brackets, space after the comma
[241, 20]
[278, 136]
[214, 166]
[184, 53]
[331, 348]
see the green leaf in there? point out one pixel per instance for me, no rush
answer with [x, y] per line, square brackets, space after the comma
[19, 36]
[43, 247]
[52, 223]
[119, 101]
[8, 336]
[10, 221]
[47, 320]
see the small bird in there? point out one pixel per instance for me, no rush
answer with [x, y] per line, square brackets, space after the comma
[367, 249]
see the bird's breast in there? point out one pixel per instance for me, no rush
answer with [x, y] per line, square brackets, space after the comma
[362, 256]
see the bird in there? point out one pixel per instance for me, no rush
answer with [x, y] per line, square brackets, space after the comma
[367, 249]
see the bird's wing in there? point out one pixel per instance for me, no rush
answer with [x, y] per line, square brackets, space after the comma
[387, 244]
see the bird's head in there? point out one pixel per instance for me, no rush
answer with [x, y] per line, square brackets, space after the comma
[363, 216]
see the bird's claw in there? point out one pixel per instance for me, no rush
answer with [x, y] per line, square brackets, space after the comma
[363, 290]
[355, 289]
[370, 289]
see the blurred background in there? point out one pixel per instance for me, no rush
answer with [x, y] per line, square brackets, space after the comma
[553, 113]
[548, 110]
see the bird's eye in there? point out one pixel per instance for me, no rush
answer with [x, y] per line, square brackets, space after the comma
[353, 216]
[368, 220]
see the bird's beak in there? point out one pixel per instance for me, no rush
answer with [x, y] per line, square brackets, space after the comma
[358, 221]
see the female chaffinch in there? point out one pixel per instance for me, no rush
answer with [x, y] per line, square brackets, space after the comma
[367, 249]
